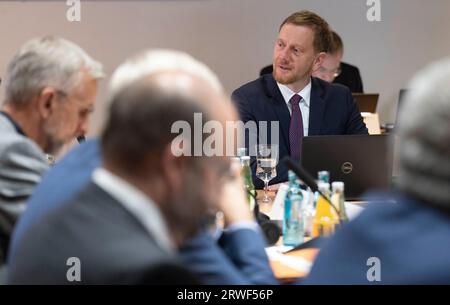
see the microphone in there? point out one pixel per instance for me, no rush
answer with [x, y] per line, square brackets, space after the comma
[272, 232]
[81, 139]
[309, 181]
[301, 173]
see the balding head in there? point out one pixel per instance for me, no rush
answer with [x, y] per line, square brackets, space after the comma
[141, 116]
[159, 60]
[174, 75]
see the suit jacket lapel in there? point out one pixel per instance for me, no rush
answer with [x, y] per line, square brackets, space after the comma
[279, 106]
[317, 108]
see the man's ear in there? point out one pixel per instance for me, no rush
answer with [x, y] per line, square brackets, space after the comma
[46, 100]
[318, 61]
[172, 167]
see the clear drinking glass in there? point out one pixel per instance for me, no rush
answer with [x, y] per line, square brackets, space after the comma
[266, 169]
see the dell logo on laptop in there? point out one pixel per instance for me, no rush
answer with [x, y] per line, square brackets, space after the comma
[347, 168]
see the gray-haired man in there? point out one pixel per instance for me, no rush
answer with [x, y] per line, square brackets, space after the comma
[50, 90]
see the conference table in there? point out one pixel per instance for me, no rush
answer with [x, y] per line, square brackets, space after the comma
[287, 267]
[291, 265]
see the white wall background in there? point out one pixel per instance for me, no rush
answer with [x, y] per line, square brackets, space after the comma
[235, 37]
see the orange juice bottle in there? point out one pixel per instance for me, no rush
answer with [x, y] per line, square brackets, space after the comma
[326, 218]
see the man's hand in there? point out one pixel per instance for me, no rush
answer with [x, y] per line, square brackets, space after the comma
[233, 200]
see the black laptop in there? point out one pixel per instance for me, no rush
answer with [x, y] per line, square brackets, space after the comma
[367, 102]
[401, 101]
[389, 127]
[362, 162]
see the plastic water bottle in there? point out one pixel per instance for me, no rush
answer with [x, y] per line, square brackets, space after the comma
[309, 212]
[293, 227]
[322, 176]
[338, 200]
[248, 182]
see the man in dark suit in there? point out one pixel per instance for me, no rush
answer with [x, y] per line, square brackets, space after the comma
[202, 255]
[403, 238]
[302, 105]
[350, 77]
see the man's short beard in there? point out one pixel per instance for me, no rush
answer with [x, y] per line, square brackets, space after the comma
[53, 145]
[186, 210]
[287, 81]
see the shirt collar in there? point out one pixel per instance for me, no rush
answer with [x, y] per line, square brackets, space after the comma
[287, 93]
[138, 204]
[14, 123]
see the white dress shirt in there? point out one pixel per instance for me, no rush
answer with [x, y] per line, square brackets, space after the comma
[136, 203]
[305, 93]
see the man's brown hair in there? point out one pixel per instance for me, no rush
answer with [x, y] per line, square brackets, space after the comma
[322, 33]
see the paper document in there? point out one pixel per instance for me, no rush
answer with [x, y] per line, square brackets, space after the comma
[277, 211]
[294, 262]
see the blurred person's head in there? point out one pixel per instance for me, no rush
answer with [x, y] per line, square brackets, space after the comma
[159, 60]
[424, 132]
[337, 46]
[302, 43]
[50, 90]
[147, 97]
[331, 65]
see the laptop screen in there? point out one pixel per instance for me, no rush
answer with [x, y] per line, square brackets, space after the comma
[362, 162]
[401, 99]
[367, 102]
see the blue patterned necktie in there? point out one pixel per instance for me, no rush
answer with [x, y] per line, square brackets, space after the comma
[296, 127]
